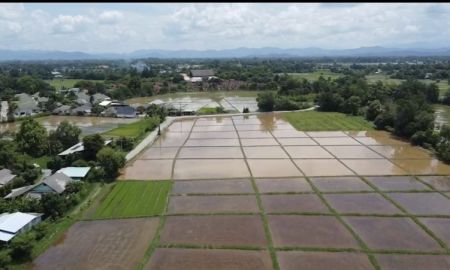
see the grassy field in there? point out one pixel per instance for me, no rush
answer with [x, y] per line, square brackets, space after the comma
[326, 121]
[66, 83]
[216, 96]
[134, 199]
[133, 130]
[313, 76]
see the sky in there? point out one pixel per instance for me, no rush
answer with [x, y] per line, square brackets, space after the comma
[126, 27]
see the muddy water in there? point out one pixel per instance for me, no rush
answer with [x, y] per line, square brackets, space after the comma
[88, 125]
[306, 203]
[397, 183]
[290, 260]
[213, 204]
[361, 203]
[332, 184]
[212, 186]
[283, 185]
[208, 147]
[422, 203]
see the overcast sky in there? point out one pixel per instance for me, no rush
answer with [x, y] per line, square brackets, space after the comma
[127, 27]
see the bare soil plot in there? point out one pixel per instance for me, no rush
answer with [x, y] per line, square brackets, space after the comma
[373, 167]
[213, 204]
[337, 184]
[393, 233]
[273, 168]
[423, 203]
[210, 152]
[214, 135]
[282, 185]
[423, 166]
[212, 142]
[352, 152]
[146, 169]
[214, 230]
[437, 182]
[264, 152]
[402, 152]
[322, 167]
[212, 186]
[291, 260]
[439, 226]
[258, 142]
[396, 183]
[159, 153]
[307, 152]
[310, 231]
[112, 244]
[365, 203]
[297, 141]
[298, 203]
[210, 169]
[413, 262]
[206, 259]
[336, 141]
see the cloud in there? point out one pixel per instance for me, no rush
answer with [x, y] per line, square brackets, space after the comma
[67, 24]
[110, 17]
[112, 27]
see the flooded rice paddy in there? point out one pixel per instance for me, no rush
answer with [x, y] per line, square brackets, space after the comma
[88, 125]
[254, 193]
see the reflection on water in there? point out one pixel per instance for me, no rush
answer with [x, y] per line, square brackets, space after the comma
[88, 125]
[441, 115]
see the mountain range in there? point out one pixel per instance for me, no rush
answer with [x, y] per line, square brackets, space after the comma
[30, 55]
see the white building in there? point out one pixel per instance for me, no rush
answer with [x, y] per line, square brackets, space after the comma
[15, 223]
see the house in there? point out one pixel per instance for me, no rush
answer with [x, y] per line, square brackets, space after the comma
[121, 112]
[82, 98]
[82, 110]
[12, 224]
[62, 110]
[55, 183]
[76, 173]
[4, 111]
[77, 148]
[26, 105]
[5, 177]
[98, 98]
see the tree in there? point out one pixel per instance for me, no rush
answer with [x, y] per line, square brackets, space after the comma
[266, 101]
[32, 138]
[92, 144]
[67, 134]
[21, 246]
[352, 105]
[5, 259]
[111, 161]
[53, 205]
[374, 109]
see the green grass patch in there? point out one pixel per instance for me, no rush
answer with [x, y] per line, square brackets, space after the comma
[66, 83]
[134, 199]
[42, 161]
[326, 121]
[134, 130]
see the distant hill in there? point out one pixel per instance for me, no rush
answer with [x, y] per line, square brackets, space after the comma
[7, 55]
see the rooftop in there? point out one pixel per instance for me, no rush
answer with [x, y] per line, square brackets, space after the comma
[75, 172]
[10, 224]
